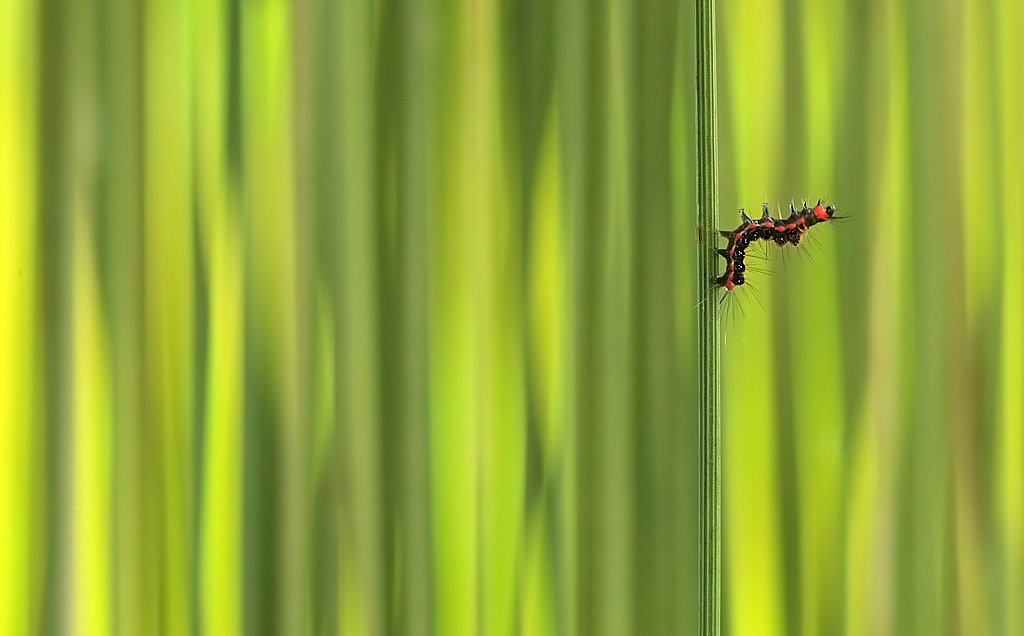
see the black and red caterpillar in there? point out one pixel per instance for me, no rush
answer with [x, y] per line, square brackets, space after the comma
[790, 230]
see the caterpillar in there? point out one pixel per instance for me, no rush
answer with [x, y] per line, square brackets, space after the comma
[782, 231]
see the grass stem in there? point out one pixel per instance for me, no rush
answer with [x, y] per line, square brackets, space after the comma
[708, 353]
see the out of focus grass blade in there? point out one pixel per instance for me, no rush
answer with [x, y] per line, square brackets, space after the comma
[936, 397]
[816, 378]
[118, 236]
[979, 163]
[18, 302]
[750, 451]
[614, 448]
[603, 399]
[361, 606]
[53, 268]
[658, 458]
[871, 601]
[419, 173]
[532, 138]
[501, 305]
[269, 203]
[465, 188]
[92, 442]
[573, 112]
[91, 431]
[169, 297]
[548, 305]
[614, 443]
[1009, 448]
[979, 196]
[684, 445]
[220, 535]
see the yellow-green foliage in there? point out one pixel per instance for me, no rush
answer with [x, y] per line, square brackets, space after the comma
[378, 317]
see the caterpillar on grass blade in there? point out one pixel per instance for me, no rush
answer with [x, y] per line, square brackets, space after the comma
[789, 231]
[781, 231]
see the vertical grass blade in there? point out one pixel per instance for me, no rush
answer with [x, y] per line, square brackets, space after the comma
[572, 80]
[221, 532]
[685, 476]
[89, 427]
[18, 316]
[361, 606]
[168, 307]
[613, 442]
[418, 174]
[755, 484]
[818, 424]
[465, 178]
[1007, 455]
[92, 434]
[660, 454]
[924, 572]
[268, 197]
[708, 353]
[875, 463]
[52, 250]
[982, 271]
[117, 230]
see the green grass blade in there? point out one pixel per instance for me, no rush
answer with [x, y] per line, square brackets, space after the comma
[708, 353]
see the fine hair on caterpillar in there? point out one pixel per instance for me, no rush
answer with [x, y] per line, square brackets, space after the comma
[743, 243]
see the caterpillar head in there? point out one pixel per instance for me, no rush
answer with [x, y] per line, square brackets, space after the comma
[824, 212]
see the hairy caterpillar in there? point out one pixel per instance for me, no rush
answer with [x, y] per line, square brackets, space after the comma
[782, 231]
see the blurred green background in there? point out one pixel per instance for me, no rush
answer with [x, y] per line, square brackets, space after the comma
[376, 317]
